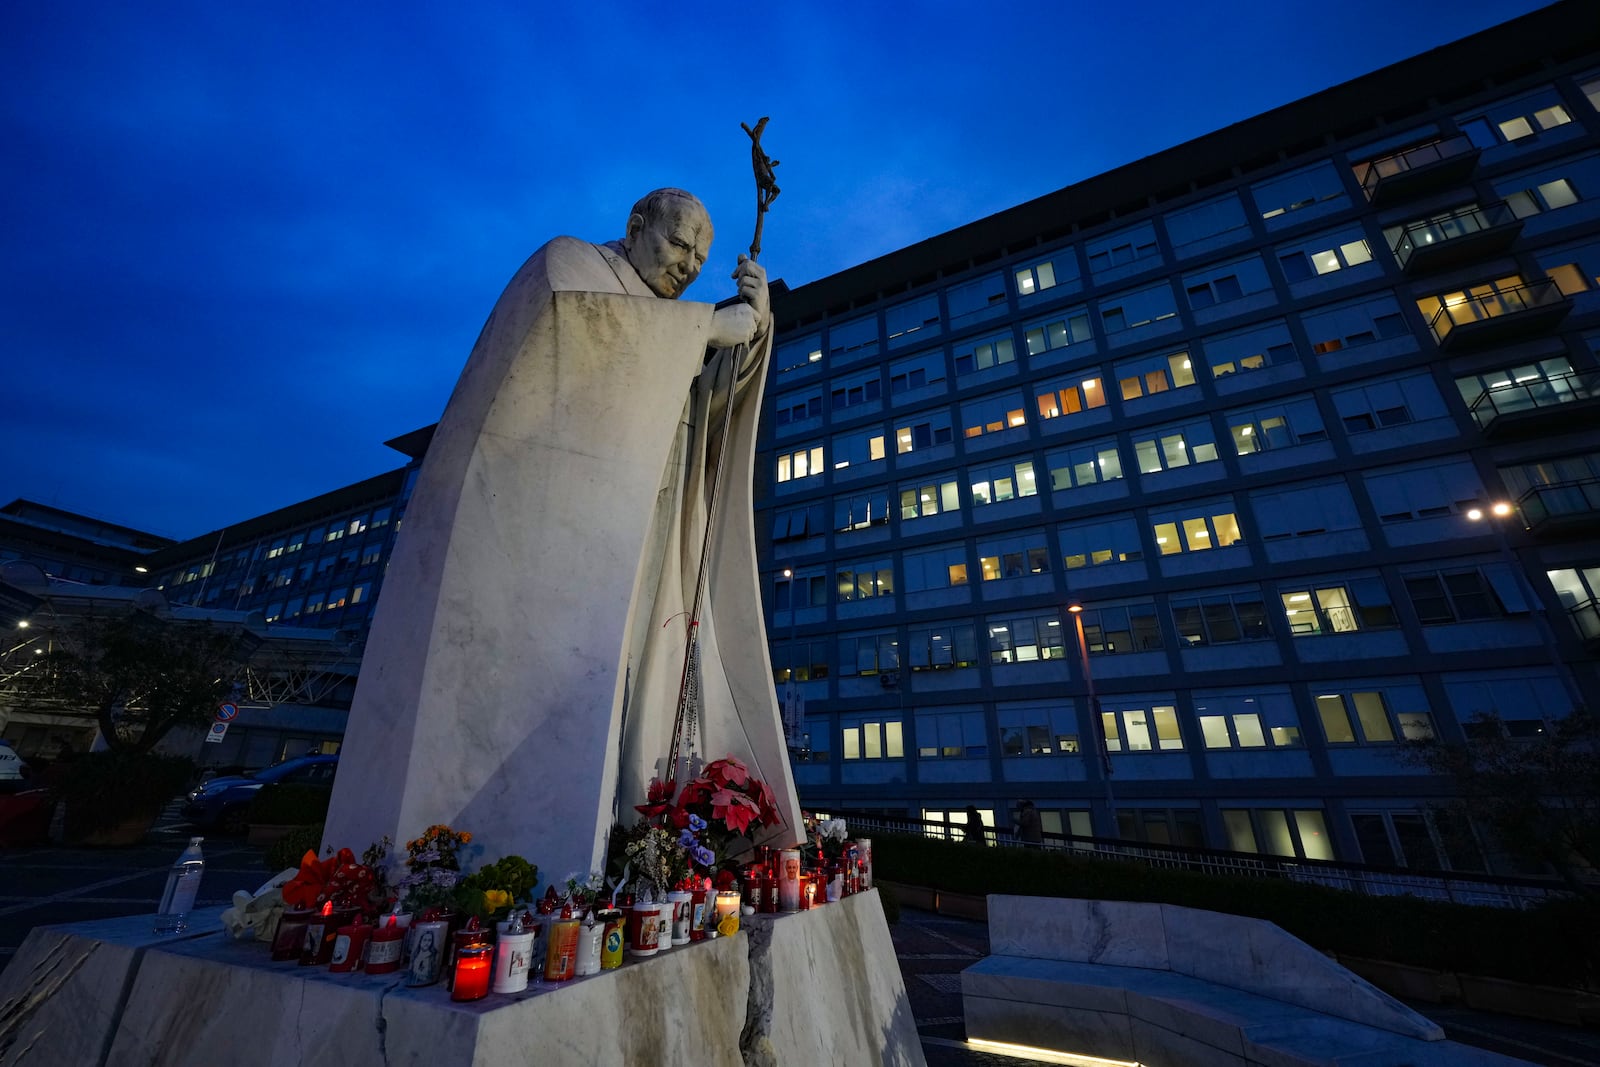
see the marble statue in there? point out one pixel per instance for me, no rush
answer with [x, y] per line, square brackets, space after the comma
[522, 674]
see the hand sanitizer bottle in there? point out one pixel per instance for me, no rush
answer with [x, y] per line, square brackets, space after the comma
[183, 882]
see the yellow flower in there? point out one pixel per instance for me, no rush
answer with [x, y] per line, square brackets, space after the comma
[729, 924]
[496, 899]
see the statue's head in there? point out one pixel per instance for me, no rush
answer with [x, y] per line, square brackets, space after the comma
[669, 235]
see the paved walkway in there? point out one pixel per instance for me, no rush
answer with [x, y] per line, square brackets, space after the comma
[57, 884]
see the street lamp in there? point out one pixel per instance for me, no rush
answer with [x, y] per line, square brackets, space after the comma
[1096, 720]
[1501, 510]
[791, 692]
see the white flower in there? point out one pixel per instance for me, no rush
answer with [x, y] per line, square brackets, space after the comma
[833, 830]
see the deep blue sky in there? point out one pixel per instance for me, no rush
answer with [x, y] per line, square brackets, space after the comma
[245, 243]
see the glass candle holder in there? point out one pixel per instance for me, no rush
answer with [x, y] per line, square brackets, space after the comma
[472, 972]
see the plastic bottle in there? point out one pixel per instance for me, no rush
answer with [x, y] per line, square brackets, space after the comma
[183, 883]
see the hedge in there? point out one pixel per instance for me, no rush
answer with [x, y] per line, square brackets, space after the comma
[1557, 943]
[286, 804]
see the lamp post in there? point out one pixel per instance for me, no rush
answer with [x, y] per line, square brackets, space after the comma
[791, 728]
[1498, 512]
[1096, 722]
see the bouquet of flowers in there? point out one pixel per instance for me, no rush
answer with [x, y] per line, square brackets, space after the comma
[338, 879]
[651, 855]
[433, 867]
[724, 805]
[494, 889]
[825, 841]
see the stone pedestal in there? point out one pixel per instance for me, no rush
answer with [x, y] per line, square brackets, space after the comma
[818, 987]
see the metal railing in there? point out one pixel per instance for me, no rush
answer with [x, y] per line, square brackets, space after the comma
[1413, 159]
[1474, 308]
[1562, 500]
[1455, 887]
[1530, 395]
[1427, 233]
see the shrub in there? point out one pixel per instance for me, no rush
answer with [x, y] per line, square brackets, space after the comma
[287, 850]
[101, 789]
[287, 804]
[1556, 944]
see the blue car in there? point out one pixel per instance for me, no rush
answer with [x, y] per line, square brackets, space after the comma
[221, 803]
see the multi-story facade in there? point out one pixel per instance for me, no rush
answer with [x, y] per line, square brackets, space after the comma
[1248, 403]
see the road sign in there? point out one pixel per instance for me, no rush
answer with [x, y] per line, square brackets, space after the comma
[226, 711]
[219, 730]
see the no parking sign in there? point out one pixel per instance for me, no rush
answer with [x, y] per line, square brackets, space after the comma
[226, 712]
[219, 730]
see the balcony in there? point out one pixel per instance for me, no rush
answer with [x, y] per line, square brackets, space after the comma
[1563, 508]
[1537, 407]
[1459, 237]
[1424, 169]
[1488, 315]
[1585, 619]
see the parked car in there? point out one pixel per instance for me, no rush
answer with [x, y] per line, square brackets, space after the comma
[221, 802]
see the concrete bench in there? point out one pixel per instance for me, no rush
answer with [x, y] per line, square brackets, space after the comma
[1166, 986]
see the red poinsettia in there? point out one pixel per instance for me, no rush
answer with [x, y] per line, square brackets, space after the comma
[727, 771]
[658, 799]
[735, 810]
[339, 879]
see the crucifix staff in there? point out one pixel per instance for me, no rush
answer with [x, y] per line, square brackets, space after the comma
[766, 181]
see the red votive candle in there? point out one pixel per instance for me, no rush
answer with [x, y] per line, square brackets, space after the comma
[472, 972]
[384, 948]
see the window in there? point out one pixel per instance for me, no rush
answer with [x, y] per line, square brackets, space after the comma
[1170, 447]
[872, 739]
[1196, 530]
[1143, 307]
[799, 589]
[1305, 510]
[1417, 839]
[1520, 388]
[276, 550]
[1490, 300]
[1208, 225]
[1338, 607]
[335, 531]
[1578, 589]
[857, 448]
[1114, 629]
[923, 431]
[808, 659]
[1059, 269]
[1389, 402]
[854, 390]
[1350, 325]
[916, 372]
[935, 568]
[371, 554]
[991, 414]
[1145, 729]
[379, 518]
[1257, 719]
[1463, 594]
[1312, 191]
[853, 340]
[994, 483]
[1013, 557]
[951, 735]
[1150, 375]
[1123, 249]
[1037, 730]
[296, 543]
[912, 320]
[796, 524]
[984, 353]
[934, 497]
[1525, 700]
[1566, 267]
[1322, 255]
[1591, 91]
[973, 302]
[1546, 196]
[1280, 424]
[797, 406]
[1024, 638]
[1086, 464]
[1505, 125]
[943, 647]
[801, 463]
[1252, 349]
[864, 581]
[1063, 397]
[1220, 618]
[1257, 830]
[858, 511]
[1058, 331]
[797, 354]
[1373, 712]
[1424, 491]
[359, 594]
[868, 654]
[1097, 544]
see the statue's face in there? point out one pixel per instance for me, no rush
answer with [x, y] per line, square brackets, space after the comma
[669, 252]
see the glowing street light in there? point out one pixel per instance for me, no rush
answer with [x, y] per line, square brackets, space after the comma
[1096, 718]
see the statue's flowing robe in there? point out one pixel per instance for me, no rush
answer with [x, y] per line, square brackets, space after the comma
[523, 668]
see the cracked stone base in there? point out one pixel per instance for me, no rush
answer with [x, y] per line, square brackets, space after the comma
[817, 987]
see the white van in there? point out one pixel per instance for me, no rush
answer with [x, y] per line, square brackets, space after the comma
[12, 769]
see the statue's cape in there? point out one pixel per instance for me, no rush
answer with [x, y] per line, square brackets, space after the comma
[522, 671]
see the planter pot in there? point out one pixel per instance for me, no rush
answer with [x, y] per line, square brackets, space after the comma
[129, 830]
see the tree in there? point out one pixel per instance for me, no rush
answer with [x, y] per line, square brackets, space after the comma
[142, 676]
[1539, 796]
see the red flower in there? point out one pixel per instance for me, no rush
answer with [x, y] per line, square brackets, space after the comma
[728, 771]
[734, 809]
[310, 887]
[659, 798]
